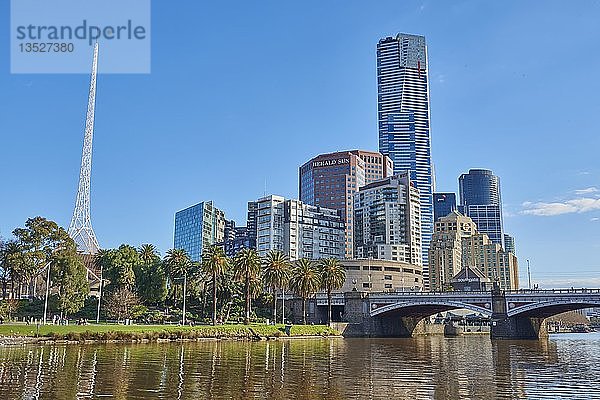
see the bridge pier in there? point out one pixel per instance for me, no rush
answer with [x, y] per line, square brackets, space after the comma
[515, 327]
[518, 327]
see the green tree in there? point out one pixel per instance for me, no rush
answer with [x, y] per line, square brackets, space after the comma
[122, 303]
[39, 239]
[118, 265]
[177, 264]
[305, 281]
[276, 273]
[17, 266]
[214, 263]
[3, 271]
[246, 267]
[8, 307]
[150, 279]
[68, 275]
[332, 275]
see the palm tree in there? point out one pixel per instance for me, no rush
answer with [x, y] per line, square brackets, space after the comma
[214, 262]
[148, 254]
[305, 281]
[276, 273]
[15, 263]
[177, 263]
[333, 276]
[246, 267]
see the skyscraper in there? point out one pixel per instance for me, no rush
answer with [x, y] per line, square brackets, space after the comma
[297, 229]
[330, 180]
[480, 199]
[443, 204]
[198, 227]
[387, 220]
[403, 117]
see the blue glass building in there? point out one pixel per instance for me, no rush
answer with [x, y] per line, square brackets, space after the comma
[198, 227]
[403, 118]
[443, 204]
[480, 199]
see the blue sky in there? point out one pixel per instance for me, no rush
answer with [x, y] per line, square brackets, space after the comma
[242, 93]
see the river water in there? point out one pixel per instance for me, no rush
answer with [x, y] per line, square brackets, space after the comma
[473, 367]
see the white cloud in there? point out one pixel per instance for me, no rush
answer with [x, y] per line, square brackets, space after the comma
[587, 190]
[579, 205]
[556, 283]
[595, 219]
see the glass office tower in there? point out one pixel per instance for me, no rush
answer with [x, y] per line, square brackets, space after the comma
[403, 117]
[198, 227]
[480, 199]
[443, 204]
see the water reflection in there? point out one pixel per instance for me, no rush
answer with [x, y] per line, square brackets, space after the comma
[420, 368]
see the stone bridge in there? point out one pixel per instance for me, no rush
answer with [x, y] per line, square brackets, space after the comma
[514, 315]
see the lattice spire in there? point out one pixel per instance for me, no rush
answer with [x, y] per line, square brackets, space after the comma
[80, 228]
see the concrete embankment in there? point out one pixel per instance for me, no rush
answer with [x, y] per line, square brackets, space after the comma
[421, 329]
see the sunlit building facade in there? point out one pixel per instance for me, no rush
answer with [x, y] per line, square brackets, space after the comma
[198, 227]
[403, 114]
[330, 180]
[387, 220]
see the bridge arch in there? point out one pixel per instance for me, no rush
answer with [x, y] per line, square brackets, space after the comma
[427, 308]
[545, 309]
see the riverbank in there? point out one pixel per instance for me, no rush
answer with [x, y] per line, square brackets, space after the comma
[11, 334]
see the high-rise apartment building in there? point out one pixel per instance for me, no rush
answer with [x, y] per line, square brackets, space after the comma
[235, 238]
[403, 117]
[509, 244]
[297, 229]
[251, 224]
[387, 220]
[198, 227]
[443, 204]
[456, 245]
[480, 199]
[330, 180]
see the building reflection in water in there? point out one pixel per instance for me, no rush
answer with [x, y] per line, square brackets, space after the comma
[419, 368]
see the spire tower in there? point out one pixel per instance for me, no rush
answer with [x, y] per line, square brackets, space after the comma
[80, 228]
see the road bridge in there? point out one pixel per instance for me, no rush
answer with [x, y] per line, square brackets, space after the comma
[514, 314]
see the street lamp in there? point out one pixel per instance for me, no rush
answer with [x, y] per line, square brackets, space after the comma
[99, 296]
[47, 291]
[184, 295]
[528, 274]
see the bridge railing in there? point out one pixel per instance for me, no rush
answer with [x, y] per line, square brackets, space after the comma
[487, 292]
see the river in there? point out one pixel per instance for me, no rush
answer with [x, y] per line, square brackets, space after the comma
[473, 367]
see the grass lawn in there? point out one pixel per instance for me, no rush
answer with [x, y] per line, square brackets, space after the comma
[153, 332]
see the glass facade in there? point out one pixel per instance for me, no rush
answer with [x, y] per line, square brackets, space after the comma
[403, 117]
[198, 227]
[443, 204]
[480, 199]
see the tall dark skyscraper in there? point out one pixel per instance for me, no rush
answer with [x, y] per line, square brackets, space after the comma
[443, 204]
[403, 117]
[480, 200]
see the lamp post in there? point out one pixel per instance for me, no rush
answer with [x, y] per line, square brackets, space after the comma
[47, 292]
[184, 289]
[282, 306]
[99, 296]
[528, 274]
[184, 295]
